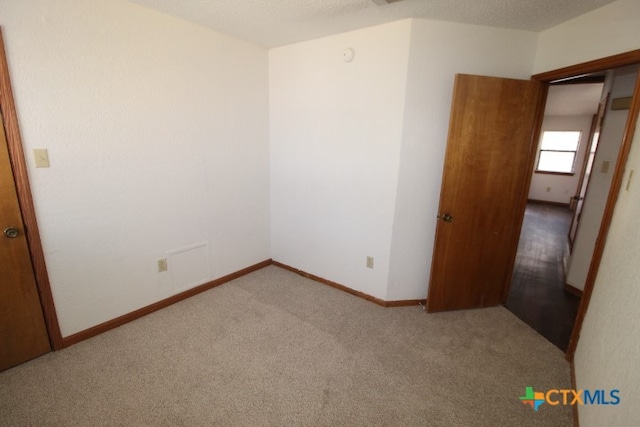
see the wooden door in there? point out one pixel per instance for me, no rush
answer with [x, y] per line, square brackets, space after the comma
[488, 167]
[585, 175]
[23, 334]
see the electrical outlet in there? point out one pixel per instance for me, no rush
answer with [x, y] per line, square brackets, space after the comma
[369, 262]
[162, 265]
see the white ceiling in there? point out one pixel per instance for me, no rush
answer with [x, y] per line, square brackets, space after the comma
[272, 23]
[573, 99]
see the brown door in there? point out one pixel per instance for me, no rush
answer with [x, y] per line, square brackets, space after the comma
[488, 166]
[23, 334]
[585, 175]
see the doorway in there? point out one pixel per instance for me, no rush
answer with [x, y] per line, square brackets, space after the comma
[445, 295]
[538, 293]
[608, 196]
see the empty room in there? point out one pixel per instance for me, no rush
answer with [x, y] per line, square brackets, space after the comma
[304, 213]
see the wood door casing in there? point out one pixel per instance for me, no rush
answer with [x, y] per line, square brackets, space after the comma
[488, 166]
[587, 166]
[23, 334]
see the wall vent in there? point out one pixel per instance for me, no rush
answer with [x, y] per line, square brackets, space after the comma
[385, 2]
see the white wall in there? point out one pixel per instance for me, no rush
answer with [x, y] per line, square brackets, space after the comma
[609, 30]
[607, 353]
[335, 143]
[438, 51]
[357, 149]
[600, 182]
[562, 187]
[157, 132]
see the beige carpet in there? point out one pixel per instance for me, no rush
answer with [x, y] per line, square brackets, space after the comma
[275, 349]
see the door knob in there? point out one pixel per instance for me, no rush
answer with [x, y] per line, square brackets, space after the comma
[447, 218]
[11, 232]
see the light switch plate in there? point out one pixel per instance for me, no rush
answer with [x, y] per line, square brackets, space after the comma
[42, 157]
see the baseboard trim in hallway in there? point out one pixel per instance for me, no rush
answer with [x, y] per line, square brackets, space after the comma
[126, 318]
[547, 202]
[573, 290]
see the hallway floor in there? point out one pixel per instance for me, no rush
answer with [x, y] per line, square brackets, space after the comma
[537, 293]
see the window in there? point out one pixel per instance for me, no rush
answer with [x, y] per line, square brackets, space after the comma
[558, 151]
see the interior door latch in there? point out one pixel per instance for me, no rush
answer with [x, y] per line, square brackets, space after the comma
[446, 217]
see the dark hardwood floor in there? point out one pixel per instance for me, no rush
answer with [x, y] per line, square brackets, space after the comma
[537, 293]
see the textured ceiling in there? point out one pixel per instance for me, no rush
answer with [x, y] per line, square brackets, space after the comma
[272, 23]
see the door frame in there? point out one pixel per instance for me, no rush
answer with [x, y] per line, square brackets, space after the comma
[598, 65]
[585, 161]
[596, 123]
[25, 199]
